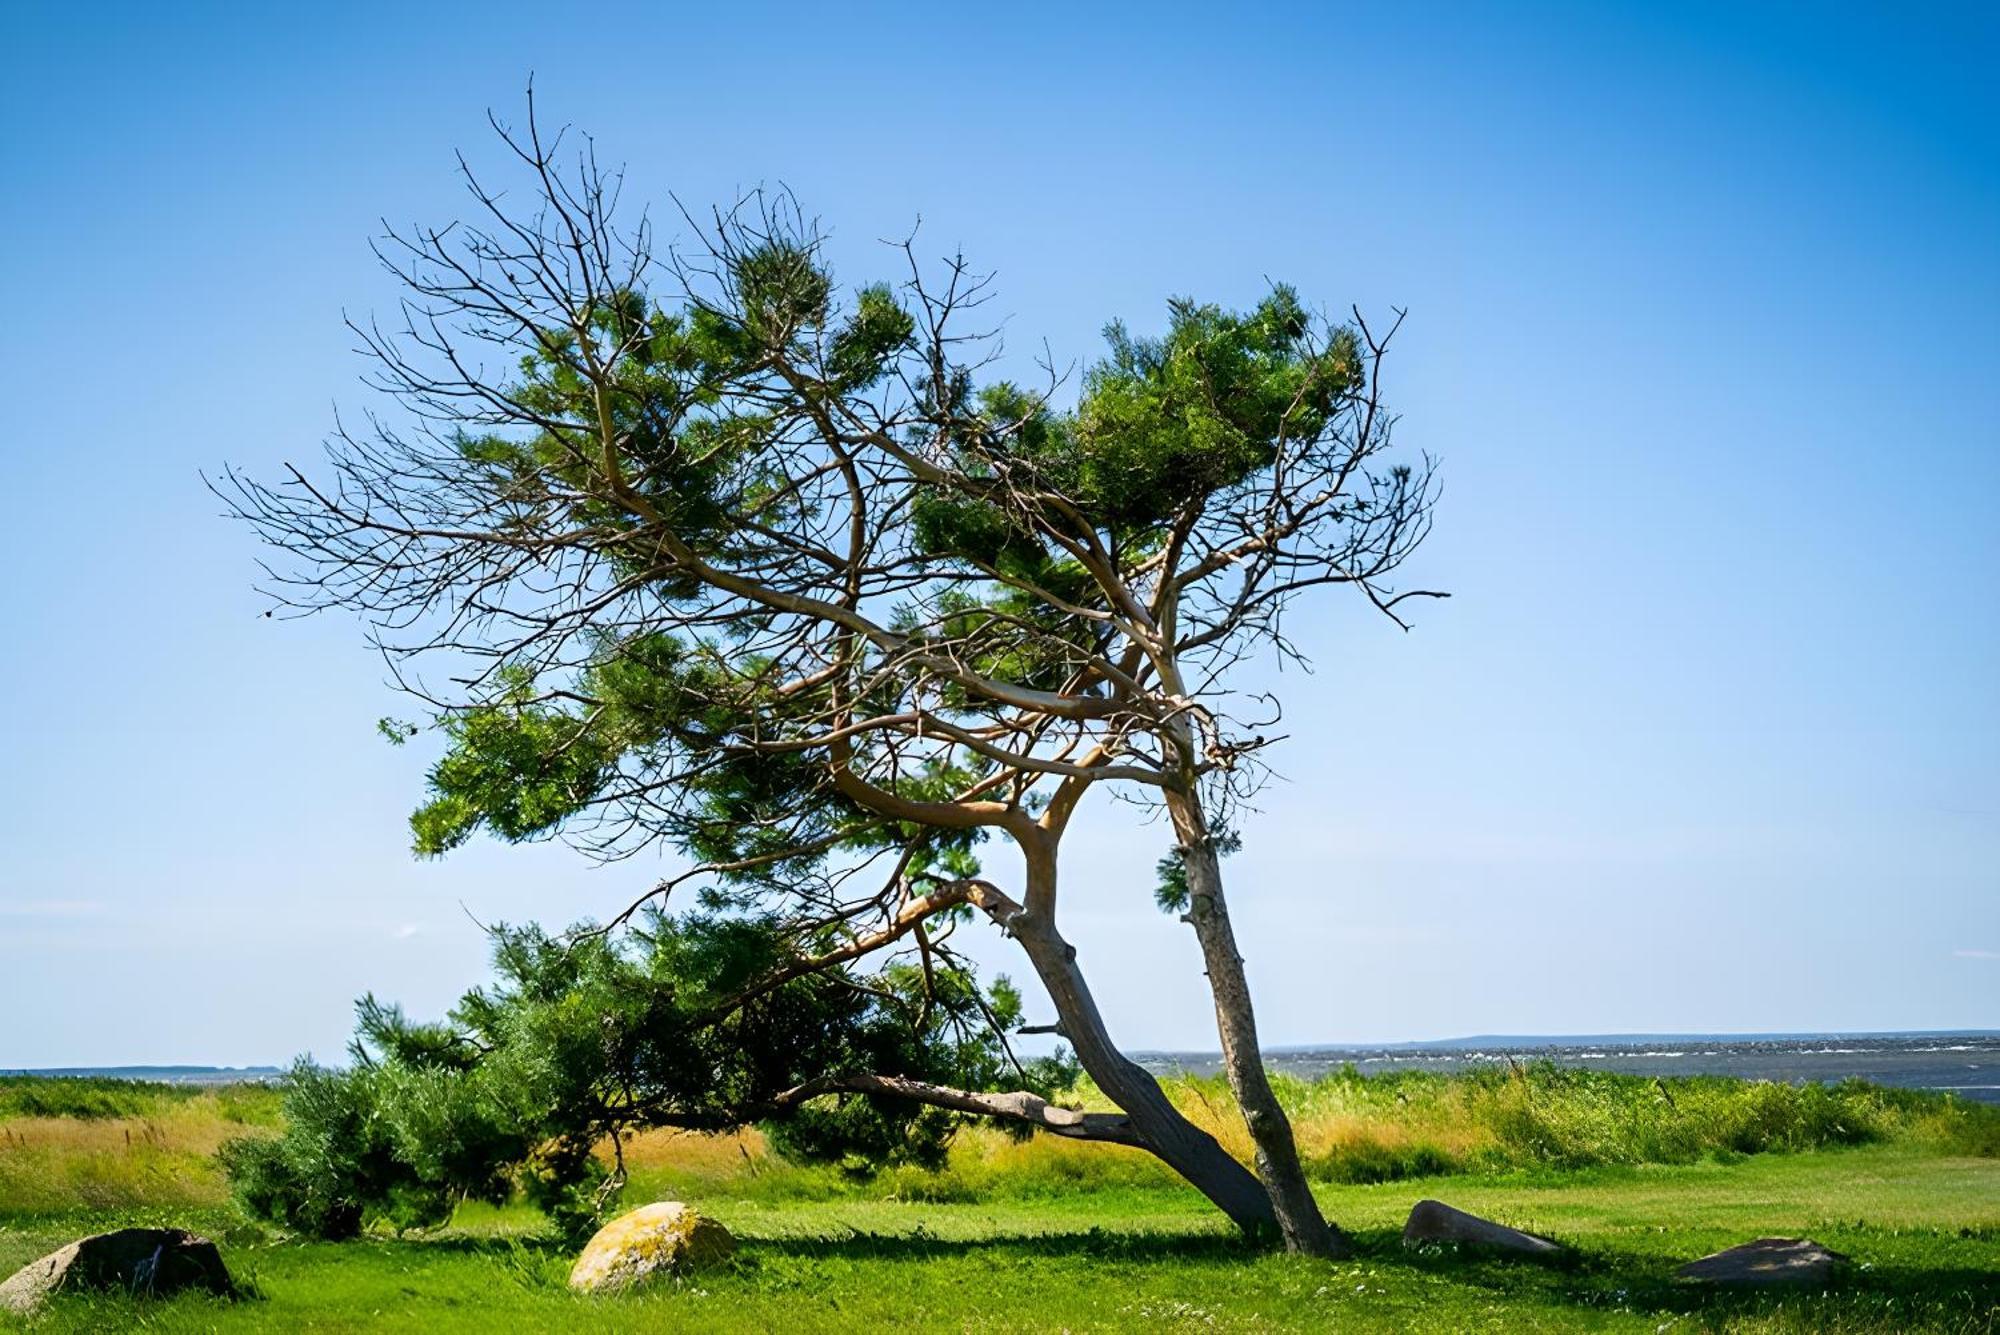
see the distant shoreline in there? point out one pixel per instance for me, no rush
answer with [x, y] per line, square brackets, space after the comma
[172, 1075]
[1965, 1062]
[1495, 1044]
[1577, 1040]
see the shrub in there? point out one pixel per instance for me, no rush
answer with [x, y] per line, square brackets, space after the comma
[698, 1021]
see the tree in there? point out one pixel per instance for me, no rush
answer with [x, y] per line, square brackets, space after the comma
[695, 1021]
[720, 559]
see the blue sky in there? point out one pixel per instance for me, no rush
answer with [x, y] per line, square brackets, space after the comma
[1704, 310]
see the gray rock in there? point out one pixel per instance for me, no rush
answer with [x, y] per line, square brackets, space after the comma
[1434, 1221]
[1766, 1261]
[147, 1261]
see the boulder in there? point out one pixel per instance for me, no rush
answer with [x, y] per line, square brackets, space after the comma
[663, 1238]
[1766, 1261]
[1434, 1221]
[147, 1261]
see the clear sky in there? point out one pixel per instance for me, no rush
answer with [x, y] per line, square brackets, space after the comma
[1704, 323]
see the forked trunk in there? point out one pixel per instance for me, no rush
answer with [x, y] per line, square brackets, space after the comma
[1182, 1145]
[1305, 1230]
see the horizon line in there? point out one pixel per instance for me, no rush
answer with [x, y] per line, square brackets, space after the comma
[1462, 1041]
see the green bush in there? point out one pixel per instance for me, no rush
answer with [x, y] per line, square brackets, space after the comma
[695, 1022]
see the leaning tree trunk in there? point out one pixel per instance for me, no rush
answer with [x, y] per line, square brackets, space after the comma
[1159, 1126]
[1299, 1220]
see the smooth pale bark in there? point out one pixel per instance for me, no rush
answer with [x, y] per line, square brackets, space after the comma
[1157, 1125]
[1304, 1228]
[1023, 1106]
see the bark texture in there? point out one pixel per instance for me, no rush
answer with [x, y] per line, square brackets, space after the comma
[1156, 1124]
[1299, 1220]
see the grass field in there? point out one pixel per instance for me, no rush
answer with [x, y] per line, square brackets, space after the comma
[1052, 1236]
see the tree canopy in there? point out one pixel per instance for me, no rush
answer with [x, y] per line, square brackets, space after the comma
[698, 550]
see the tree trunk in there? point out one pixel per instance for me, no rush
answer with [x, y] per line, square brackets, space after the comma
[1161, 1128]
[1305, 1230]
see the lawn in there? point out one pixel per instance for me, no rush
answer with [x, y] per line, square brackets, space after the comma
[1006, 1244]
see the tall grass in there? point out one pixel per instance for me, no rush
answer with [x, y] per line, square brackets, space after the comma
[103, 1144]
[1355, 1128]
[90, 1098]
[92, 1144]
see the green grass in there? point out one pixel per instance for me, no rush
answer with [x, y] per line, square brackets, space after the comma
[1044, 1236]
[94, 1098]
[1924, 1230]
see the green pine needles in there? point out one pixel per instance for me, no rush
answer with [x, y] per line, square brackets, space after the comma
[696, 1022]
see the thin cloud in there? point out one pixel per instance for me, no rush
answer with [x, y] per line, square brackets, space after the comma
[1976, 954]
[52, 908]
[408, 930]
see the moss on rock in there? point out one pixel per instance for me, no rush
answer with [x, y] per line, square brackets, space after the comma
[666, 1237]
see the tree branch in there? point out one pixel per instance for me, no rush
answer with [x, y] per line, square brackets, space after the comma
[1018, 1106]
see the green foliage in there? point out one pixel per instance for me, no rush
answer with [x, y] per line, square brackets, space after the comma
[565, 1180]
[1167, 422]
[332, 1156]
[516, 768]
[1170, 890]
[862, 348]
[692, 1021]
[1162, 426]
[523, 766]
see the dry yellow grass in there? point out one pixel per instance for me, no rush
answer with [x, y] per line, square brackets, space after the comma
[1349, 1130]
[695, 1154]
[63, 1163]
[1326, 1125]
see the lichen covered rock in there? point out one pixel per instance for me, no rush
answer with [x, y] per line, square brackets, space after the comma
[653, 1240]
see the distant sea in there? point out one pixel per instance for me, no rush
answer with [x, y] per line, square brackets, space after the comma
[171, 1075]
[1966, 1063]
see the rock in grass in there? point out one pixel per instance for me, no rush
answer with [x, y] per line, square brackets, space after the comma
[1766, 1261]
[145, 1261]
[664, 1238]
[1434, 1221]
